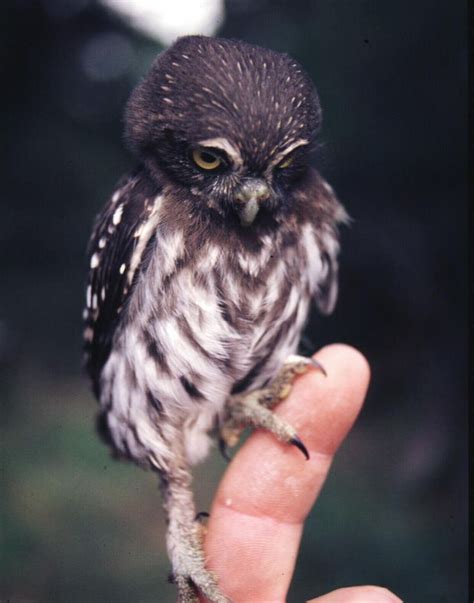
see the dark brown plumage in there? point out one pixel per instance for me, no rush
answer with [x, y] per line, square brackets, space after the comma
[203, 88]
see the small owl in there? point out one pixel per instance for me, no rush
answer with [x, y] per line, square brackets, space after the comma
[203, 266]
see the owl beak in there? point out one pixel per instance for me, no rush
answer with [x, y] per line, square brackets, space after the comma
[249, 197]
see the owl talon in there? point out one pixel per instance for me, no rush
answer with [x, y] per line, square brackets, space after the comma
[319, 366]
[201, 515]
[224, 450]
[299, 444]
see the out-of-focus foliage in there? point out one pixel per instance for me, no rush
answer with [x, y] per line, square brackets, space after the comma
[77, 526]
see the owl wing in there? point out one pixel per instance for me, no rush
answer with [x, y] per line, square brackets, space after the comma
[122, 235]
[326, 293]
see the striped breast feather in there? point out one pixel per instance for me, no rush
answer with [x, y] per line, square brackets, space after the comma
[122, 235]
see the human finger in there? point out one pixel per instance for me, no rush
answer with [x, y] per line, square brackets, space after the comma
[269, 488]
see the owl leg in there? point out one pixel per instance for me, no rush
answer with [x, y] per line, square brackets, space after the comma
[255, 408]
[185, 534]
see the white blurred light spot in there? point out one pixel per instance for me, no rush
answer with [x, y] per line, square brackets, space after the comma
[165, 20]
[106, 56]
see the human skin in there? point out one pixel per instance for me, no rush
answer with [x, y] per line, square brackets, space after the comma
[257, 517]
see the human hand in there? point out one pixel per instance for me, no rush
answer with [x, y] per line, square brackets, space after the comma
[258, 513]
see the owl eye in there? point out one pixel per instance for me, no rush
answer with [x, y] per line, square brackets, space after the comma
[285, 163]
[206, 160]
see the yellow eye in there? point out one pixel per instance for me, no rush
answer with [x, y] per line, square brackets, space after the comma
[206, 160]
[286, 163]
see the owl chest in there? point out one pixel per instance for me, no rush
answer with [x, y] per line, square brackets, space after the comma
[206, 326]
[251, 314]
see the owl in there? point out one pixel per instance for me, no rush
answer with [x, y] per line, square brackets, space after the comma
[203, 267]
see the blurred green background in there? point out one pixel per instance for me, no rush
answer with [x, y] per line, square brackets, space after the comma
[392, 77]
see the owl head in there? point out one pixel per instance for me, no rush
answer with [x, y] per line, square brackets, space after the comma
[228, 122]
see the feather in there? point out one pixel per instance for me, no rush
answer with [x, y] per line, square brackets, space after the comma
[117, 235]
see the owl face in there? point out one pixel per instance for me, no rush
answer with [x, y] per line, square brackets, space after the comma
[229, 122]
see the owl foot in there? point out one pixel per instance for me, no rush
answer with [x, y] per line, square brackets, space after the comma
[188, 588]
[281, 386]
[188, 592]
[255, 408]
[185, 534]
[190, 575]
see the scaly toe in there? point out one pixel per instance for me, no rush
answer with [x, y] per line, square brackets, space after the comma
[300, 364]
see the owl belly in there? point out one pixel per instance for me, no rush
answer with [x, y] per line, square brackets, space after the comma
[178, 369]
[254, 348]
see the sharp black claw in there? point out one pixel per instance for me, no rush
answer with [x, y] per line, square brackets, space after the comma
[201, 515]
[224, 450]
[319, 366]
[299, 444]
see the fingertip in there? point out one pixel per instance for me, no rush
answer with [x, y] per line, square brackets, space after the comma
[346, 358]
[323, 408]
[348, 371]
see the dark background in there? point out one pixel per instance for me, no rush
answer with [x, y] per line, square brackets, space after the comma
[77, 526]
